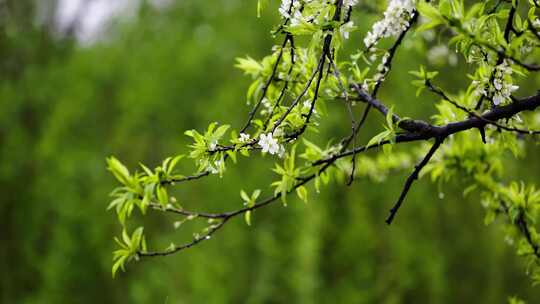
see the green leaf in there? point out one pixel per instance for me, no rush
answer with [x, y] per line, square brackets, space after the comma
[162, 196]
[173, 163]
[247, 217]
[377, 139]
[390, 118]
[125, 238]
[255, 195]
[119, 264]
[244, 196]
[220, 132]
[249, 66]
[118, 170]
[302, 193]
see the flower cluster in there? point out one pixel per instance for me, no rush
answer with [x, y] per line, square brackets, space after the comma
[312, 11]
[502, 83]
[244, 138]
[288, 6]
[270, 145]
[501, 87]
[215, 168]
[396, 20]
[382, 70]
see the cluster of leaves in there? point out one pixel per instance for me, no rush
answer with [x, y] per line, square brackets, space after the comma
[140, 189]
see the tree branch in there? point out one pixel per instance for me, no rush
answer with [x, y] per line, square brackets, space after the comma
[412, 178]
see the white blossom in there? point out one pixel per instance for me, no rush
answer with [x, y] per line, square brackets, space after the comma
[500, 87]
[214, 169]
[502, 83]
[536, 23]
[298, 18]
[243, 137]
[346, 28]
[385, 58]
[284, 8]
[269, 144]
[396, 19]
[365, 86]
[289, 7]
[479, 89]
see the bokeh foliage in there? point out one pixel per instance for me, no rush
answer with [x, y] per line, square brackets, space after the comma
[65, 108]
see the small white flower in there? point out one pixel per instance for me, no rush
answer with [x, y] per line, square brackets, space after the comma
[213, 145]
[298, 18]
[284, 8]
[396, 20]
[269, 144]
[365, 86]
[500, 88]
[243, 137]
[214, 169]
[346, 28]
[497, 99]
[497, 83]
[379, 77]
[385, 58]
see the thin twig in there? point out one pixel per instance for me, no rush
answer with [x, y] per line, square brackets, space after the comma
[412, 178]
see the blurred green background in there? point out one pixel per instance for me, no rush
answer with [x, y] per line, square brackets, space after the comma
[66, 105]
